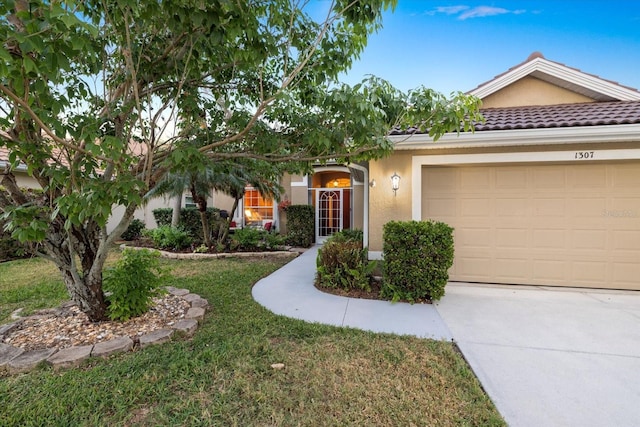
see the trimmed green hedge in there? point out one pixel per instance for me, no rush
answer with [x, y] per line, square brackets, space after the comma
[301, 225]
[417, 258]
[190, 221]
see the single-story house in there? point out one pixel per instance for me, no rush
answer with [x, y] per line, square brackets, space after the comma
[545, 192]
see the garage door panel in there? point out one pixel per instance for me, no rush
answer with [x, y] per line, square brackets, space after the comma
[587, 177]
[560, 224]
[474, 238]
[589, 239]
[513, 270]
[511, 178]
[475, 207]
[544, 206]
[587, 207]
[625, 176]
[589, 272]
[476, 178]
[627, 240]
[549, 179]
[511, 206]
[512, 238]
[551, 271]
[549, 238]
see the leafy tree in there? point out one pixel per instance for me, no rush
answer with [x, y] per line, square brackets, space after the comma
[90, 93]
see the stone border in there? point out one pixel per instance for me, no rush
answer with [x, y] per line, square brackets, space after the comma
[16, 360]
[195, 255]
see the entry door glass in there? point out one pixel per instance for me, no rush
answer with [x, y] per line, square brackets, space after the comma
[328, 213]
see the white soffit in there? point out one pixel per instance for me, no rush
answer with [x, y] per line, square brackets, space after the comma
[520, 137]
[562, 76]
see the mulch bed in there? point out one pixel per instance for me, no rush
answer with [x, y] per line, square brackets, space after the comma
[362, 294]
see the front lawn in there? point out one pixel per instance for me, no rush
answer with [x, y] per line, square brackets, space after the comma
[223, 375]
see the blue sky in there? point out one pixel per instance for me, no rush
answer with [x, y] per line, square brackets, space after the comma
[450, 46]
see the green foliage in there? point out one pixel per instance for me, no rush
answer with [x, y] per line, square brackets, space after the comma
[300, 225]
[417, 258]
[190, 221]
[167, 237]
[11, 248]
[343, 263]
[134, 230]
[132, 283]
[255, 239]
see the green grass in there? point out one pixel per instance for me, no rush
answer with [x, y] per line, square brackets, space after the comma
[223, 375]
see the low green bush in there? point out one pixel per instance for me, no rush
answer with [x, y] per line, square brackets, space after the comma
[343, 263]
[167, 237]
[190, 221]
[255, 239]
[300, 225]
[417, 258]
[132, 283]
[134, 230]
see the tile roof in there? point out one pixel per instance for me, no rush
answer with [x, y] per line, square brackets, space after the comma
[554, 116]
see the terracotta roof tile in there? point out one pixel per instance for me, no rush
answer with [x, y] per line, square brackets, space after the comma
[555, 116]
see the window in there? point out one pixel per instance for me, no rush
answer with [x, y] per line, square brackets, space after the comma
[257, 209]
[188, 202]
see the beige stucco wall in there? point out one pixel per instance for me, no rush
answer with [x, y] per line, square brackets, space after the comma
[532, 91]
[384, 206]
[26, 181]
[358, 207]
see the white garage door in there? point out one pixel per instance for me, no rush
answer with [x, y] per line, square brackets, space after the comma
[558, 225]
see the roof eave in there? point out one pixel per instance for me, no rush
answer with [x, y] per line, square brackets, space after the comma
[521, 137]
[559, 71]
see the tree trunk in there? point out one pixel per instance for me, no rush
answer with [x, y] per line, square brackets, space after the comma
[175, 214]
[201, 202]
[86, 292]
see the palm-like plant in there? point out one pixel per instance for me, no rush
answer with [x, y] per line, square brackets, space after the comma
[226, 176]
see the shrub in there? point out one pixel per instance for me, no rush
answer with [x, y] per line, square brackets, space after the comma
[190, 221]
[300, 225]
[167, 237]
[343, 263]
[134, 230]
[417, 258]
[132, 283]
[255, 239]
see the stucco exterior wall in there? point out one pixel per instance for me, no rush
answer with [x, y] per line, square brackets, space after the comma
[532, 91]
[384, 206]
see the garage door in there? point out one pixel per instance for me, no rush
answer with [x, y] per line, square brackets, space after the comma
[557, 225]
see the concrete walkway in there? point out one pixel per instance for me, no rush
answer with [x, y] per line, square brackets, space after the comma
[545, 356]
[290, 292]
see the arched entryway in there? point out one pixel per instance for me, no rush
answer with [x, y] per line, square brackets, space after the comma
[331, 194]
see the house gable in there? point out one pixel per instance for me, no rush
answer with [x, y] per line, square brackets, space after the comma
[538, 81]
[532, 91]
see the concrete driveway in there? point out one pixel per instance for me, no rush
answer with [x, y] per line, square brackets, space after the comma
[551, 356]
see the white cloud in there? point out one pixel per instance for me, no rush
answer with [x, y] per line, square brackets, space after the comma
[466, 12]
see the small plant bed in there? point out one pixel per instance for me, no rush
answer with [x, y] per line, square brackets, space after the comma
[373, 293]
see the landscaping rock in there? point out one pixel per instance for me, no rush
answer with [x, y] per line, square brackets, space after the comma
[7, 354]
[29, 360]
[186, 326]
[155, 337]
[177, 292]
[107, 348]
[5, 329]
[71, 356]
[196, 313]
[200, 302]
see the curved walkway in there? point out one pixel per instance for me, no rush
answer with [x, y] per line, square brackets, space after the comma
[290, 291]
[546, 356]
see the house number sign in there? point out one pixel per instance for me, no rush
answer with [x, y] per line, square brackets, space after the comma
[584, 155]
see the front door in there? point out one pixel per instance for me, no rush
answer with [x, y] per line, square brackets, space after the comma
[329, 208]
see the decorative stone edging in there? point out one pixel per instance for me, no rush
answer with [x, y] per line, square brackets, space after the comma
[16, 360]
[196, 255]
